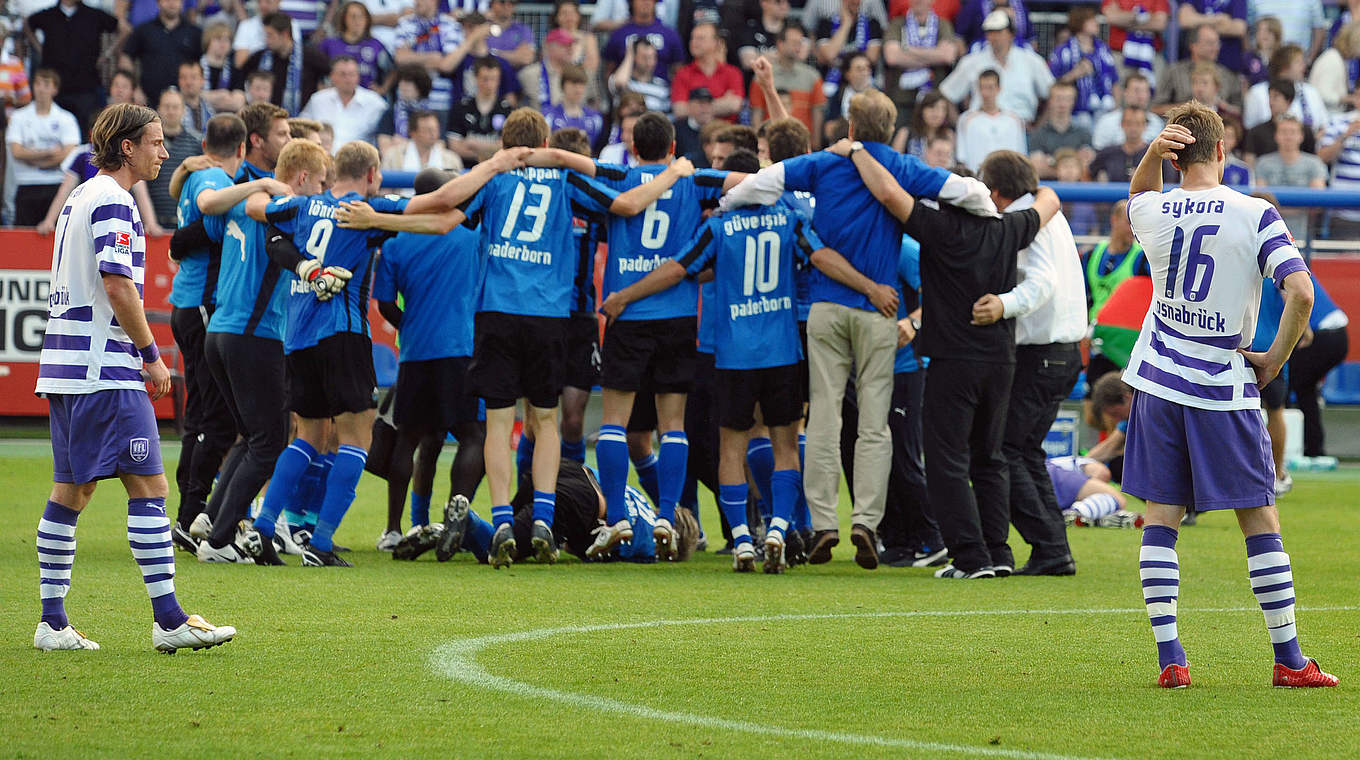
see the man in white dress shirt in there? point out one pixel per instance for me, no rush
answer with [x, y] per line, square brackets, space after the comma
[352, 111]
[1049, 306]
[1025, 77]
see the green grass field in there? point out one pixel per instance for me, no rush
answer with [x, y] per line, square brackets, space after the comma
[455, 660]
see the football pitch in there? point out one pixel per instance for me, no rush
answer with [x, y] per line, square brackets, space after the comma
[689, 660]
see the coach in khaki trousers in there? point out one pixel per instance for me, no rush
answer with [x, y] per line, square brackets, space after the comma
[852, 321]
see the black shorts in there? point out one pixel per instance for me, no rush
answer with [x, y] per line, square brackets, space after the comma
[804, 373]
[432, 395]
[650, 353]
[774, 388]
[333, 377]
[583, 352]
[516, 357]
[1275, 394]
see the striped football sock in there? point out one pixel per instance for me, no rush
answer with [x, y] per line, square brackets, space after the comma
[1160, 571]
[732, 501]
[56, 553]
[148, 532]
[1272, 582]
[1096, 506]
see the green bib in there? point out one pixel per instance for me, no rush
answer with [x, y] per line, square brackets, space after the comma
[1103, 285]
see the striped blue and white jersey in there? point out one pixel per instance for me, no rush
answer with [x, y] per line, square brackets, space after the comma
[1208, 250]
[1346, 168]
[84, 349]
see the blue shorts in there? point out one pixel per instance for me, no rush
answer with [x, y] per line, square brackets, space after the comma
[103, 434]
[1206, 459]
[1067, 482]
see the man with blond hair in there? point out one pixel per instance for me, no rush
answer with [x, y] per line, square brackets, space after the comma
[853, 319]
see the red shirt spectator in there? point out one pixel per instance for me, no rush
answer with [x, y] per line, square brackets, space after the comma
[1118, 33]
[710, 71]
[945, 9]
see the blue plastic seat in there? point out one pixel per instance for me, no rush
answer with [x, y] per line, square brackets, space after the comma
[385, 365]
[1343, 384]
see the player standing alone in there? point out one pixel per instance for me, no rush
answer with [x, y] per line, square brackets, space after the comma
[96, 345]
[1195, 436]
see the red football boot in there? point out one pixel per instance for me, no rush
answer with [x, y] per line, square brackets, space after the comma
[1175, 676]
[1308, 677]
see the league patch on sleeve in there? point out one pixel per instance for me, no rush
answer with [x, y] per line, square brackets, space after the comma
[122, 243]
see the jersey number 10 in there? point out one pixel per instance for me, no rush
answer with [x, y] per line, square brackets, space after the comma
[762, 263]
[1198, 267]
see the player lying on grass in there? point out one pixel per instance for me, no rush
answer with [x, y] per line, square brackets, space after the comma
[580, 512]
[1082, 487]
[524, 304]
[1195, 435]
[96, 346]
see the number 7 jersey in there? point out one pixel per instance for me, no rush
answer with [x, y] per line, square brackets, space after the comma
[1208, 250]
[311, 222]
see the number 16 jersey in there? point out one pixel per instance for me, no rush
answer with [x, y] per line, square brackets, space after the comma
[1208, 250]
[311, 222]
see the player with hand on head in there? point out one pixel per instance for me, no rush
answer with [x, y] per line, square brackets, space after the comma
[525, 301]
[96, 347]
[753, 252]
[1195, 435]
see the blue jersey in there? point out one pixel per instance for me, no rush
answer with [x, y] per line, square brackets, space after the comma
[531, 251]
[311, 222]
[804, 203]
[753, 251]
[849, 218]
[589, 233]
[249, 171]
[434, 275]
[251, 288]
[707, 317]
[908, 298]
[639, 244]
[196, 281]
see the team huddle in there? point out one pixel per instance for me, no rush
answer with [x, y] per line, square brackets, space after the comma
[737, 294]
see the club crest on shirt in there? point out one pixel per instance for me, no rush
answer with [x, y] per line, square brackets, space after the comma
[122, 242]
[139, 449]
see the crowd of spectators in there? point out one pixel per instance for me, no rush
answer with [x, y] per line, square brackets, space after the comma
[431, 81]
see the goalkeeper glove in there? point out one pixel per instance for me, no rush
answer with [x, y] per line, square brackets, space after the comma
[330, 282]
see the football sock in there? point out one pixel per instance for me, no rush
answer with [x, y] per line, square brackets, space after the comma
[56, 553]
[784, 487]
[148, 532]
[760, 458]
[477, 539]
[1160, 571]
[1272, 582]
[671, 463]
[340, 484]
[311, 507]
[502, 514]
[524, 461]
[732, 500]
[544, 506]
[420, 508]
[1096, 506]
[802, 516]
[647, 477]
[611, 454]
[291, 465]
[574, 450]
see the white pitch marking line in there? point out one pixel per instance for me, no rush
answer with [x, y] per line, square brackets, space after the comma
[457, 660]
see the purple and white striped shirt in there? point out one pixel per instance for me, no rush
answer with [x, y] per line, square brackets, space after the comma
[1208, 250]
[84, 349]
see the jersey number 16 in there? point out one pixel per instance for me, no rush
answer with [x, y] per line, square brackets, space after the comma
[1198, 267]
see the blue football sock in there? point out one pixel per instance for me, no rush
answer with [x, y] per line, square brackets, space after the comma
[611, 454]
[340, 487]
[732, 501]
[502, 514]
[524, 461]
[647, 476]
[312, 507]
[148, 532]
[477, 539]
[283, 484]
[671, 464]
[785, 485]
[1160, 570]
[56, 554]
[545, 504]
[760, 458]
[420, 508]
[574, 450]
[1272, 581]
